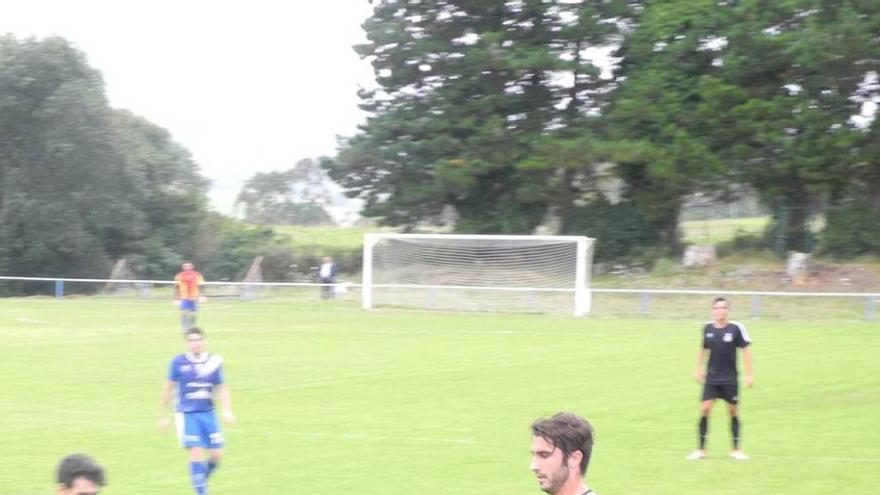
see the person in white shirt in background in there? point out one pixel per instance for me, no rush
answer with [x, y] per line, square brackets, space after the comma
[327, 275]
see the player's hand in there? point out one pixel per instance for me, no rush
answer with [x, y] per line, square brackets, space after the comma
[700, 377]
[228, 417]
[176, 303]
[163, 423]
[750, 380]
[203, 299]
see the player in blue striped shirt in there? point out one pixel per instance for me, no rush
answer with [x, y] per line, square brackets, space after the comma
[198, 377]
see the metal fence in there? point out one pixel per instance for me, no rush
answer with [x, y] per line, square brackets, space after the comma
[646, 303]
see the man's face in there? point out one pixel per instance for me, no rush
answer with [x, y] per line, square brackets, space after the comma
[720, 310]
[195, 343]
[547, 464]
[81, 486]
[187, 266]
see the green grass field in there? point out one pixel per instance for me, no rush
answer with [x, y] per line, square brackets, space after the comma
[328, 237]
[693, 231]
[719, 230]
[333, 399]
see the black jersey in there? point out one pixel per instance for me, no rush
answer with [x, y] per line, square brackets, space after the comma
[722, 344]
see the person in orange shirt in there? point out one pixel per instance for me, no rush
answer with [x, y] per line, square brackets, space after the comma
[187, 287]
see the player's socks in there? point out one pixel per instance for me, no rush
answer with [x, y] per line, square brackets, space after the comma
[734, 429]
[704, 430]
[198, 477]
[212, 465]
[187, 320]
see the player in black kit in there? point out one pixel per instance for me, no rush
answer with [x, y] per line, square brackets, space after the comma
[721, 337]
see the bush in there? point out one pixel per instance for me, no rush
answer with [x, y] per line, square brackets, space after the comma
[621, 231]
[745, 242]
[665, 266]
[851, 230]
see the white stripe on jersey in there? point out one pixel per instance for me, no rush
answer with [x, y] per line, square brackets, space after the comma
[178, 422]
[210, 365]
[742, 330]
[192, 357]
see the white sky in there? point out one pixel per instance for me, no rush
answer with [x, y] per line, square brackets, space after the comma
[245, 86]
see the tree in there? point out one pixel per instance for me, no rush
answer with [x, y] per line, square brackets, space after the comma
[294, 197]
[651, 128]
[82, 184]
[779, 107]
[750, 92]
[162, 183]
[58, 165]
[469, 93]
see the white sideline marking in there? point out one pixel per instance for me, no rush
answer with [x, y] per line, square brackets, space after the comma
[722, 455]
[28, 320]
[817, 458]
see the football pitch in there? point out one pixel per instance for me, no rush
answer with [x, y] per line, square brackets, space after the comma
[334, 399]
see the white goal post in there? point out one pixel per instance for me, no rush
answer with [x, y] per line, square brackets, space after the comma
[501, 273]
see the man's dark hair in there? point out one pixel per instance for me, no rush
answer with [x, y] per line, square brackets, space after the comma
[79, 466]
[568, 432]
[720, 299]
[194, 331]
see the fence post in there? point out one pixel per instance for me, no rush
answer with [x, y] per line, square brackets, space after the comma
[756, 306]
[59, 289]
[871, 308]
[645, 304]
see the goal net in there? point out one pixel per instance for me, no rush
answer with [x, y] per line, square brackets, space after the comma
[493, 273]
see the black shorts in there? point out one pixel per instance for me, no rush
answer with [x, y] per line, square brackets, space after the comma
[727, 391]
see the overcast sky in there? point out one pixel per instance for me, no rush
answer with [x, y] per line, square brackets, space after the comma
[245, 86]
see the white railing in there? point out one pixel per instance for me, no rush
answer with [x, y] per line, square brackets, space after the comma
[646, 296]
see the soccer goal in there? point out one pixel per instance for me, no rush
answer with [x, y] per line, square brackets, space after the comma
[495, 273]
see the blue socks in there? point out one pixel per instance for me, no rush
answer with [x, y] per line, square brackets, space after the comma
[199, 474]
[199, 477]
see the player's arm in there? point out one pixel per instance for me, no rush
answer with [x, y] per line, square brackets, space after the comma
[225, 398]
[747, 363]
[203, 297]
[164, 402]
[177, 289]
[700, 370]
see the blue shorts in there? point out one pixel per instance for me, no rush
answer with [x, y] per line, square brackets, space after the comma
[188, 304]
[199, 429]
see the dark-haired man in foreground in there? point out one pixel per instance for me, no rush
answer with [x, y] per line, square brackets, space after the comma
[79, 474]
[561, 449]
